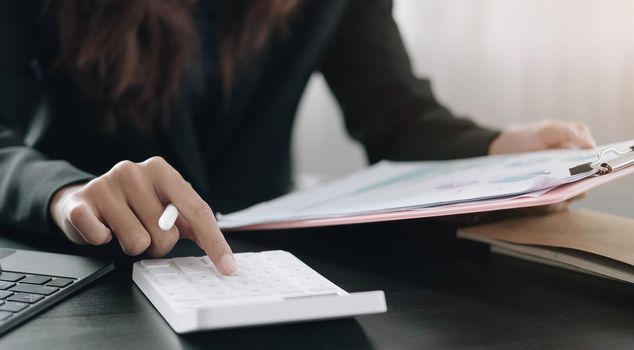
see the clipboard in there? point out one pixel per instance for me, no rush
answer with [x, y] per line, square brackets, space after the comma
[604, 168]
[557, 195]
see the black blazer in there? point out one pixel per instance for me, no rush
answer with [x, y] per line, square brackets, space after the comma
[49, 136]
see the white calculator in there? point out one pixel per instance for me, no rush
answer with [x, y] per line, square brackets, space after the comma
[270, 287]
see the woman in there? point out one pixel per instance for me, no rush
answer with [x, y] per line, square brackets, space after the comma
[93, 91]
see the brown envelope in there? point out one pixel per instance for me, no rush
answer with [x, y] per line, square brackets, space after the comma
[603, 234]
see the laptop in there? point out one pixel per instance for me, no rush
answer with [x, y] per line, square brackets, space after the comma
[32, 281]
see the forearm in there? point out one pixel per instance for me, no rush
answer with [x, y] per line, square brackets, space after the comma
[431, 135]
[388, 109]
[28, 181]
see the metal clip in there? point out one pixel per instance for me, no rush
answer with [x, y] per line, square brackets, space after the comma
[625, 158]
[616, 164]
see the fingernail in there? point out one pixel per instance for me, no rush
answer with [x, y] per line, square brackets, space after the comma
[228, 263]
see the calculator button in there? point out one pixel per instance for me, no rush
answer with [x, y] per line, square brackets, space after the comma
[34, 279]
[10, 276]
[176, 289]
[221, 290]
[5, 314]
[12, 306]
[35, 289]
[163, 271]
[243, 282]
[148, 264]
[191, 265]
[25, 298]
[309, 279]
[5, 293]
[174, 280]
[222, 294]
[205, 260]
[255, 293]
[206, 279]
[60, 282]
[288, 291]
[321, 288]
[188, 297]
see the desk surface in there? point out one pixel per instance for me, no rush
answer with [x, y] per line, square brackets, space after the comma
[441, 293]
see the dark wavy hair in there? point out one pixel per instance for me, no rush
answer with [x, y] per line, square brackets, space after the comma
[130, 55]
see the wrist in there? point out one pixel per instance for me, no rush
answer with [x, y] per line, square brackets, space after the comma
[499, 145]
[514, 139]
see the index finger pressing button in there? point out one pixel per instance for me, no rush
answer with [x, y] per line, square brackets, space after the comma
[173, 188]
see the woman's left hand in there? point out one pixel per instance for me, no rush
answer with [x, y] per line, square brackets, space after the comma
[542, 135]
[537, 136]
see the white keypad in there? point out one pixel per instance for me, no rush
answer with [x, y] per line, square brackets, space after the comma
[194, 281]
[269, 287]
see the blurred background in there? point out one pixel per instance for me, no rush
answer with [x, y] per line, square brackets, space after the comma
[498, 62]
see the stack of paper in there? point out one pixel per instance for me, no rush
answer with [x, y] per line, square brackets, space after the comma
[398, 190]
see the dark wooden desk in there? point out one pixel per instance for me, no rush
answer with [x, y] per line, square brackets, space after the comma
[441, 293]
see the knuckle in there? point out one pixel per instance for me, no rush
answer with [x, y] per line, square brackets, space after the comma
[94, 187]
[167, 240]
[158, 166]
[174, 178]
[156, 161]
[201, 208]
[124, 165]
[97, 240]
[78, 213]
[79, 216]
[215, 243]
[137, 245]
[155, 253]
[548, 129]
[164, 245]
[125, 172]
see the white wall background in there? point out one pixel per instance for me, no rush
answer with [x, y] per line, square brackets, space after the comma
[499, 62]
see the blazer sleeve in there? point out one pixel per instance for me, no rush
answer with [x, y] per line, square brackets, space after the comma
[390, 111]
[28, 178]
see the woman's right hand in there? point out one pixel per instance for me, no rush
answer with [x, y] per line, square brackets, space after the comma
[127, 202]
